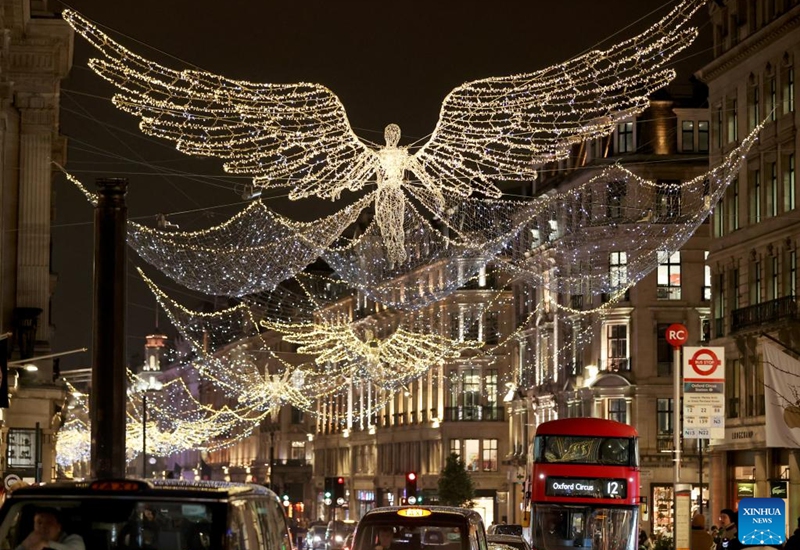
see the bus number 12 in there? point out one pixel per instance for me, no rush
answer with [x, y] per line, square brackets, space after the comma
[612, 488]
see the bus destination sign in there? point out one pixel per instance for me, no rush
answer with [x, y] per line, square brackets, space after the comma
[585, 487]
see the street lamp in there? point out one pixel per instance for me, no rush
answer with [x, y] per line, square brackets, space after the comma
[144, 385]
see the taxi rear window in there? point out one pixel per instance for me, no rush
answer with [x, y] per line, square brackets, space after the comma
[110, 523]
[416, 534]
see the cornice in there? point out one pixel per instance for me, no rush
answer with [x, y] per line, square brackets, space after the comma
[749, 46]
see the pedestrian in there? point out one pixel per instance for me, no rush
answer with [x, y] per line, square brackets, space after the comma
[728, 533]
[644, 541]
[794, 541]
[700, 538]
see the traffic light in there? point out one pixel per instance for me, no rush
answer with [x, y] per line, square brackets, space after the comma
[338, 490]
[411, 487]
[328, 493]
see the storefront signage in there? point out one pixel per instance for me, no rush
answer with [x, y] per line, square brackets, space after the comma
[778, 489]
[745, 489]
[762, 521]
[703, 392]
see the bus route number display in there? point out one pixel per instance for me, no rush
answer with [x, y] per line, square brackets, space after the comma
[587, 488]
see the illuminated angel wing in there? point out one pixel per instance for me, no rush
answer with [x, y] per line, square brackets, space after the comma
[337, 343]
[407, 348]
[330, 343]
[503, 128]
[283, 134]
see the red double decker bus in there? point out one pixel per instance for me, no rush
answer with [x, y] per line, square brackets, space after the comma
[585, 486]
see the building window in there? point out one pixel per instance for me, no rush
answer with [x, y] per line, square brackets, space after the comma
[668, 198]
[702, 136]
[479, 455]
[706, 279]
[21, 452]
[773, 98]
[790, 190]
[793, 274]
[625, 137]
[718, 126]
[664, 417]
[616, 195]
[755, 107]
[773, 190]
[733, 121]
[618, 410]
[719, 219]
[687, 135]
[669, 275]
[616, 348]
[788, 90]
[489, 455]
[298, 450]
[664, 352]
[732, 388]
[755, 283]
[774, 279]
[618, 270]
[734, 191]
[755, 199]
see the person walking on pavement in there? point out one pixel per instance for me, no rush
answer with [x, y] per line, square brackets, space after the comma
[794, 541]
[728, 532]
[700, 539]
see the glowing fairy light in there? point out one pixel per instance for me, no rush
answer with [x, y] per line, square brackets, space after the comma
[489, 130]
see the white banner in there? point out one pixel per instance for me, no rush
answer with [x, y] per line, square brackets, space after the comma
[782, 391]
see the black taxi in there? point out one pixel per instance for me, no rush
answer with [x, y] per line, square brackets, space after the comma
[146, 514]
[420, 528]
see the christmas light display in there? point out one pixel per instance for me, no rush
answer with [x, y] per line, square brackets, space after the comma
[490, 130]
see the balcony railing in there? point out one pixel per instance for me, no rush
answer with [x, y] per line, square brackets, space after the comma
[474, 414]
[666, 292]
[764, 313]
[615, 364]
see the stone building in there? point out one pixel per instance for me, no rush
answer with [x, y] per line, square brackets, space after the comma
[35, 55]
[756, 232]
[618, 364]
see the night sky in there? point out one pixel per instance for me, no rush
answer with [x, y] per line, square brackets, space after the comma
[387, 61]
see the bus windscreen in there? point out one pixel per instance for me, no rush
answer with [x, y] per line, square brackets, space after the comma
[611, 451]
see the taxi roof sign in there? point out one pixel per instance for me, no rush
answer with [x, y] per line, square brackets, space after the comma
[413, 512]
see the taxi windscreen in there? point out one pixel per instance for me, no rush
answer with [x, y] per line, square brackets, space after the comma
[111, 523]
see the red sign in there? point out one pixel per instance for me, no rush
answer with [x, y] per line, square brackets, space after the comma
[677, 335]
[704, 362]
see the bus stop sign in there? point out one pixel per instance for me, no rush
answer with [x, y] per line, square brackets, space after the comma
[677, 335]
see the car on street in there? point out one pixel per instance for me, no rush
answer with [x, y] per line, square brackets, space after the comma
[315, 538]
[514, 541]
[505, 529]
[420, 528]
[165, 514]
[336, 532]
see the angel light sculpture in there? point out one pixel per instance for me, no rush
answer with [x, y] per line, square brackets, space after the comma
[489, 131]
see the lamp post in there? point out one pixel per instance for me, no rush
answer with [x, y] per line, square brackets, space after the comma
[143, 386]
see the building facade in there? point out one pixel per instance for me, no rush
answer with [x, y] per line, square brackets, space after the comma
[36, 54]
[605, 354]
[756, 231]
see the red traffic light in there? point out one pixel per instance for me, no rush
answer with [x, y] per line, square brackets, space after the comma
[340, 480]
[411, 476]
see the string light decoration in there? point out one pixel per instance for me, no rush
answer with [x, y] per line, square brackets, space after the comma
[565, 246]
[298, 136]
[389, 362]
[253, 251]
